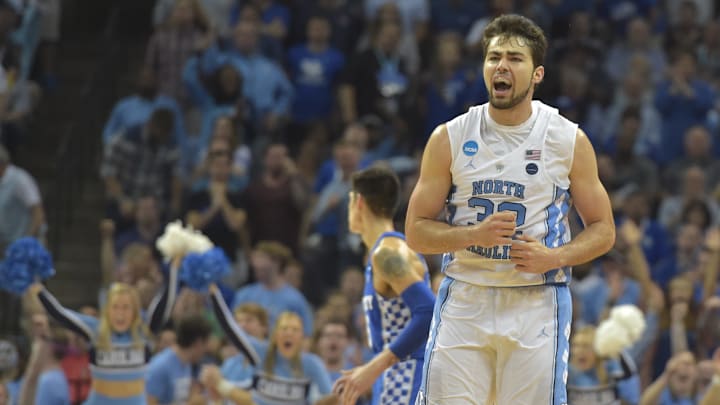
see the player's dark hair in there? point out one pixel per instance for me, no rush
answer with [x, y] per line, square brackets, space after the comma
[192, 328]
[508, 26]
[380, 188]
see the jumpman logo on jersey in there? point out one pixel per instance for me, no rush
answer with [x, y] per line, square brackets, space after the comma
[470, 164]
[543, 333]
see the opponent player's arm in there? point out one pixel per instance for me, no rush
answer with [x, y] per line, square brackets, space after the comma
[392, 263]
[592, 203]
[424, 232]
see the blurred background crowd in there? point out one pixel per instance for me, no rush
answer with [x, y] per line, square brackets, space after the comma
[246, 118]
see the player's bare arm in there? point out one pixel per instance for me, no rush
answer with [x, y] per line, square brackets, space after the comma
[395, 265]
[425, 234]
[592, 204]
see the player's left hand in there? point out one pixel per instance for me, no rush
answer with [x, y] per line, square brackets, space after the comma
[353, 384]
[531, 256]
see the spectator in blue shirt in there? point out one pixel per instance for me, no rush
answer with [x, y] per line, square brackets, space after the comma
[282, 373]
[275, 17]
[591, 376]
[169, 377]
[676, 385]
[269, 92]
[683, 101]
[455, 15]
[44, 382]
[271, 291]
[135, 110]
[448, 84]
[314, 67]
[330, 343]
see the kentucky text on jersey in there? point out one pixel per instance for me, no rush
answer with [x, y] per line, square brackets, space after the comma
[498, 187]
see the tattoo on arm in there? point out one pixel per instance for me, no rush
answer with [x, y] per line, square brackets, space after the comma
[391, 263]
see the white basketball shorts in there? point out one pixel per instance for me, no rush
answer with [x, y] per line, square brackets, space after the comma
[495, 345]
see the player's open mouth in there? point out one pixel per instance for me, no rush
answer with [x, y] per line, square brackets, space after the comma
[501, 87]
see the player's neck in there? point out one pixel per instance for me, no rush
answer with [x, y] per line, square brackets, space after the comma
[374, 229]
[511, 116]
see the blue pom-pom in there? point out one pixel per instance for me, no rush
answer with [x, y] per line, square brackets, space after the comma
[26, 261]
[198, 270]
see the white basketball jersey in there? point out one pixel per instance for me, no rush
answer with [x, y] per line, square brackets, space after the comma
[532, 179]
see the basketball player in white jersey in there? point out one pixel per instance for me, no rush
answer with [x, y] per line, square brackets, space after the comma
[506, 172]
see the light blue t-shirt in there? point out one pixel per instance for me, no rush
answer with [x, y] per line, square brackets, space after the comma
[52, 388]
[666, 398]
[275, 302]
[168, 379]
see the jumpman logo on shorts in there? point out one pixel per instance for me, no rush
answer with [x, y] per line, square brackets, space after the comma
[543, 333]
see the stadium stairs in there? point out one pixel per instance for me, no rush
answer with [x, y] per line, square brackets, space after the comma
[100, 51]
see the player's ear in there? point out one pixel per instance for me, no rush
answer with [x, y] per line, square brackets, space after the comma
[538, 74]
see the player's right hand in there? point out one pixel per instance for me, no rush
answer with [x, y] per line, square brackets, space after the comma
[496, 229]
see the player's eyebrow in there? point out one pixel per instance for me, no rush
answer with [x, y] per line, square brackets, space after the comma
[510, 53]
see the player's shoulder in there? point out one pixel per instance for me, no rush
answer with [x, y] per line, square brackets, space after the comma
[391, 244]
[557, 122]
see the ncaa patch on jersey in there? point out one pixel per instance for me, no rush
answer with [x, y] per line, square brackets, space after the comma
[470, 148]
[531, 168]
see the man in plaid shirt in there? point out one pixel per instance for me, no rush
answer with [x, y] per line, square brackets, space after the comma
[142, 161]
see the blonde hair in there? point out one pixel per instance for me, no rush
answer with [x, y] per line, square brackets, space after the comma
[138, 330]
[272, 353]
[600, 370]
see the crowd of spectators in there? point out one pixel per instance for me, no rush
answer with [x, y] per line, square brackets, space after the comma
[250, 116]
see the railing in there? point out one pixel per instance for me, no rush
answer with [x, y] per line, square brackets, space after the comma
[79, 147]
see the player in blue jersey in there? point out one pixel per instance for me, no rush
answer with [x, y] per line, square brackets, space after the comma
[120, 340]
[506, 173]
[397, 297]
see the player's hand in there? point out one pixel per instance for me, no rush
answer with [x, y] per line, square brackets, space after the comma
[353, 384]
[531, 256]
[496, 229]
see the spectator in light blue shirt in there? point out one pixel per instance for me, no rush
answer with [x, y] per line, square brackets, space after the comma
[44, 382]
[271, 291]
[169, 375]
[269, 92]
[135, 110]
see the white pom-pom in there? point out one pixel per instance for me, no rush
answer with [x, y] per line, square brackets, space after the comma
[177, 241]
[611, 338]
[172, 243]
[197, 242]
[631, 318]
